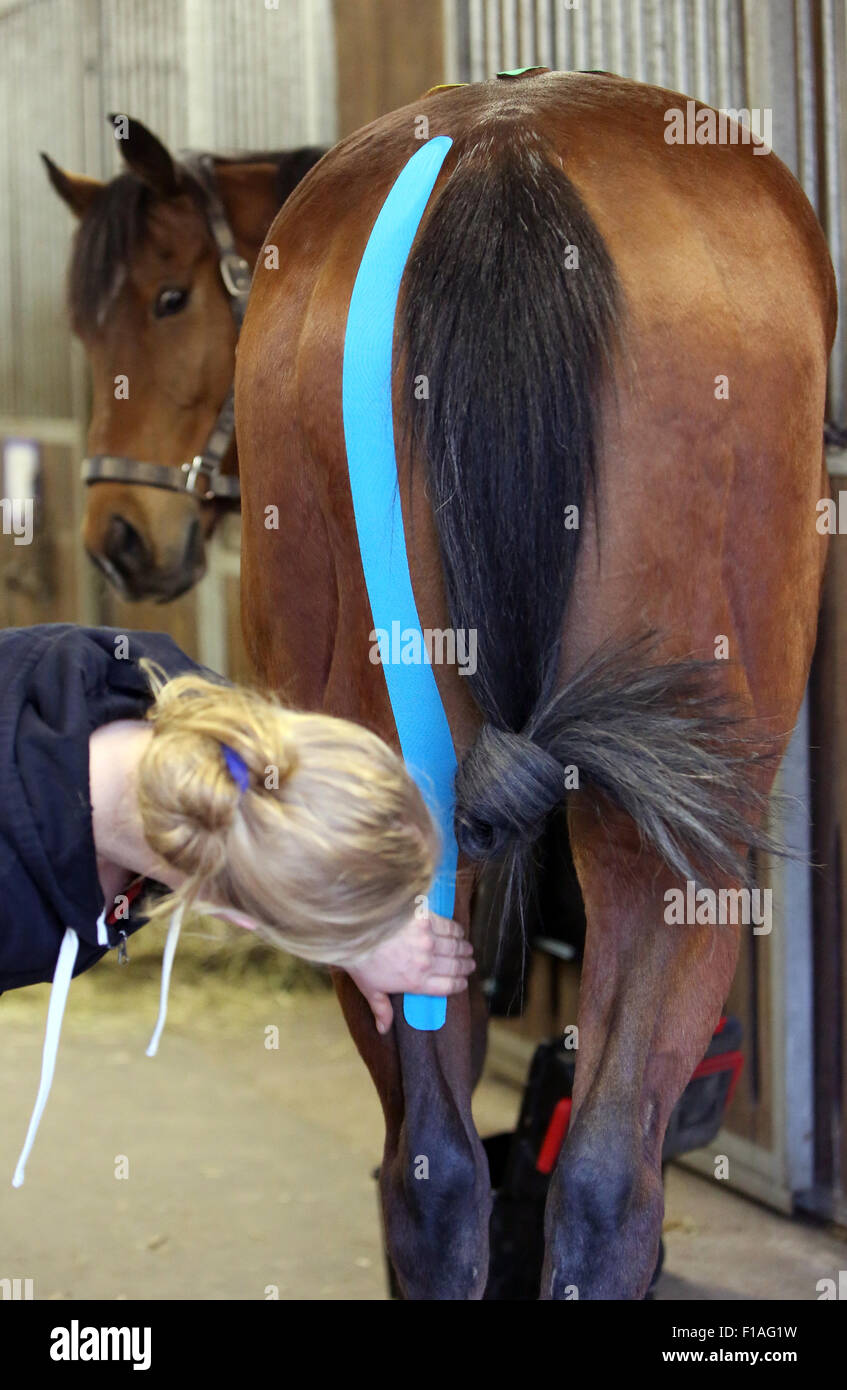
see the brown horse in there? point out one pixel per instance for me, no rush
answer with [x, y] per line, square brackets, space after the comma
[669, 381]
[155, 298]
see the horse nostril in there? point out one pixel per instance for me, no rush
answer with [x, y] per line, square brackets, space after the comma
[124, 547]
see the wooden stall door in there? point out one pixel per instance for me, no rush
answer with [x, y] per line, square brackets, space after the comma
[388, 53]
[829, 770]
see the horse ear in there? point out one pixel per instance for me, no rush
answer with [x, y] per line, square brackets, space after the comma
[74, 189]
[146, 155]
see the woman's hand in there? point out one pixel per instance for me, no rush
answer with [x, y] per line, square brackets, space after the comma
[429, 956]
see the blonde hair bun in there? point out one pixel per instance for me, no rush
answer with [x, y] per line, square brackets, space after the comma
[328, 848]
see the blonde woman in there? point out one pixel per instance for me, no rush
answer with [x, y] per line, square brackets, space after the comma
[138, 785]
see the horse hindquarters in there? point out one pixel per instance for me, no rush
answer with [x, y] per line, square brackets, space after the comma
[516, 348]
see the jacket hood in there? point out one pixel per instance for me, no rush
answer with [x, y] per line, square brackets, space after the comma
[59, 683]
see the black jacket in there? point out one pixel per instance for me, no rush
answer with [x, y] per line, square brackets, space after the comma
[58, 683]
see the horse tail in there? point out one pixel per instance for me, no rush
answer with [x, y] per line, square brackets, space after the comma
[510, 308]
[513, 310]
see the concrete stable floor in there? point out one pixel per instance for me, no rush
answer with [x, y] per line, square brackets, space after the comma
[248, 1167]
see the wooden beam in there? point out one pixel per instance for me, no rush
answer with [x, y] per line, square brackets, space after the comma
[388, 53]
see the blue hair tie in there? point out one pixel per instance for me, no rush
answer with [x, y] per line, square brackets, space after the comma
[237, 767]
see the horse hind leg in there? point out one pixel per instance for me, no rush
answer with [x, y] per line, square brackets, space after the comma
[650, 996]
[435, 1186]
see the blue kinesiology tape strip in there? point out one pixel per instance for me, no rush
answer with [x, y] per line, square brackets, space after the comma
[419, 716]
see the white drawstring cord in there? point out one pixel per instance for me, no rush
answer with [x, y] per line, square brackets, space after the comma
[167, 962]
[62, 976]
[55, 1012]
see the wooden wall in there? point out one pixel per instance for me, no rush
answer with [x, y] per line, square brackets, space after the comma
[388, 53]
[52, 580]
[829, 768]
[38, 581]
[213, 74]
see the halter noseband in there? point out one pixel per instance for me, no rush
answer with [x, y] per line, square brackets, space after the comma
[202, 477]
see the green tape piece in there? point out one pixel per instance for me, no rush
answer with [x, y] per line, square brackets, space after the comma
[519, 72]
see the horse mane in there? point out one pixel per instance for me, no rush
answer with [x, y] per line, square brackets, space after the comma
[116, 221]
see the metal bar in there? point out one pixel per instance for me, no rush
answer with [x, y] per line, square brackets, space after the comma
[637, 43]
[560, 44]
[200, 92]
[308, 28]
[834, 180]
[792, 1002]
[598, 39]
[544, 45]
[662, 39]
[454, 13]
[680, 53]
[722, 85]
[808, 97]
[493, 48]
[582, 39]
[509, 57]
[476, 35]
[529, 56]
[700, 41]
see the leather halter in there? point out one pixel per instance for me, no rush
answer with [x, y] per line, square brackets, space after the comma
[202, 477]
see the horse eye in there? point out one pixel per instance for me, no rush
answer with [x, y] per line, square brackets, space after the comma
[170, 301]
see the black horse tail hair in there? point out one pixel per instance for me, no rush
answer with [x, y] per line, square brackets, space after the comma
[513, 310]
[510, 308]
[660, 740]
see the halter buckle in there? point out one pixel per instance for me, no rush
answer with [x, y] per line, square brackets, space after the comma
[236, 275]
[195, 471]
